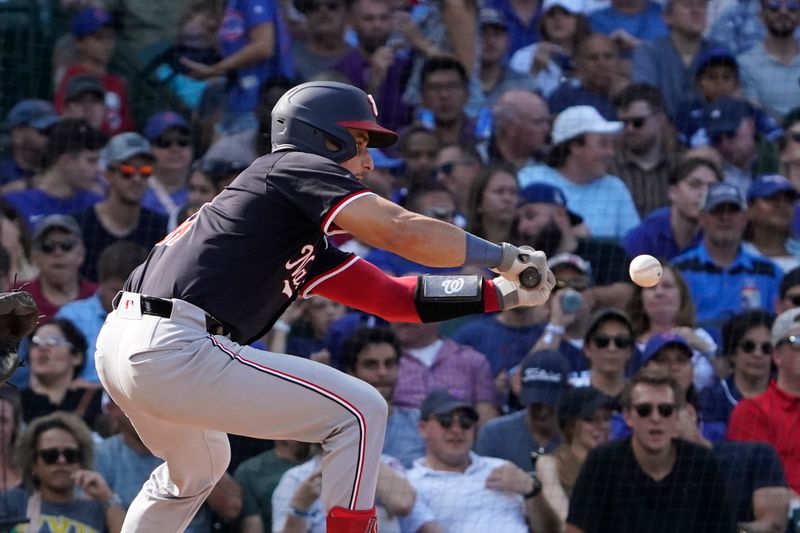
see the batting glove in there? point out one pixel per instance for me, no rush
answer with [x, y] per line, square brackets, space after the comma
[512, 294]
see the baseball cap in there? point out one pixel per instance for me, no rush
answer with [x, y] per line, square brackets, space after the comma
[785, 322]
[85, 83]
[724, 116]
[381, 160]
[63, 222]
[573, 260]
[581, 402]
[123, 146]
[439, 401]
[575, 7]
[723, 193]
[544, 377]
[544, 193]
[38, 114]
[488, 16]
[605, 315]
[88, 20]
[789, 280]
[715, 56]
[580, 119]
[770, 185]
[661, 340]
[160, 122]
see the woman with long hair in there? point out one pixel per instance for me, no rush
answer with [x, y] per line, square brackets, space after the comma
[492, 203]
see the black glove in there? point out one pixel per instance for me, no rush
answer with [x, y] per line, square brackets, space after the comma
[18, 318]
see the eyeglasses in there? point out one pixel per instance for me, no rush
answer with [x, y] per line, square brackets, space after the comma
[447, 168]
[465, 421]
[50, 246]
[793, 340]
[635, 122]
[748, 346]
[50, 455]
[50, 342]
[644, 410]
[579, 283]
[128, 171]
[603, 341]
[166, 142]
[441, 213]
[795, 299]
[776, 5]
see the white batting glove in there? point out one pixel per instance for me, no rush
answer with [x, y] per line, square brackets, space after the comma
[512, 294]
[515, 260]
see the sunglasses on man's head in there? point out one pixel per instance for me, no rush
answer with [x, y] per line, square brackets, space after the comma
[644, 410]
[49, 246]
[128, 171]
[465, 420]
[441, 213]
[603, 341]
[50, 455]
[166, 142]
[748, 346]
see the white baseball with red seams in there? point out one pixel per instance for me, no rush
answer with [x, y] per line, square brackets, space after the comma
[645, 270]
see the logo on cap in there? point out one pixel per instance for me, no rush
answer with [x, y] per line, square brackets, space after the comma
[372, 105]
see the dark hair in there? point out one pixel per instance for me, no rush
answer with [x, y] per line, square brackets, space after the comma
[604, 316]
[686, 311]
[12, 396]
[411, 130]
[686, 166]
[5, 262]
[10, 212]
[582, 29]
[73, 336]
[363, 337]
[737, 326]
[558, 155]
[72, 136]
[437, 63]
[640, 91]
[656, 377]
[790, 279]
[474, 217]
[417, 192]
[117, 260]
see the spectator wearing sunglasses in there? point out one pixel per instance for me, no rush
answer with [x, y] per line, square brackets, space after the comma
[747, 347]
[169, 135]
[789, 291]
[771, 68]
[678, 483]
[58, 253]
[69, 179]
[467, 491]
[129, 163]
[55, 455]
[457, 168]
[770, 207]
[774, 415]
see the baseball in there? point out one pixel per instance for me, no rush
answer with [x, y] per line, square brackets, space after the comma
[645, 270]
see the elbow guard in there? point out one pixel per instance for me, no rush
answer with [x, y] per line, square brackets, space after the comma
[440, 298]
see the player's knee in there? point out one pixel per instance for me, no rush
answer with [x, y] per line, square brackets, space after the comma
[375, 408]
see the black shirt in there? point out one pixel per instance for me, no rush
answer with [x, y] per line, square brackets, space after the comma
[608, 260]
[244, 257]
[614, 494]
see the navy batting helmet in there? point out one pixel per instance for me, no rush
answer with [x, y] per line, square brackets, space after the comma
[311, 112]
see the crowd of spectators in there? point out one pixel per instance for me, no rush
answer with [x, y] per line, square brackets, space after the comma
[593, 130]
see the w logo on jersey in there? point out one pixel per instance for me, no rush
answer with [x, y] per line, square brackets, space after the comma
[297, 270]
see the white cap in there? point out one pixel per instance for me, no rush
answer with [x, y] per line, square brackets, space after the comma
[575, 7]
[580, 119]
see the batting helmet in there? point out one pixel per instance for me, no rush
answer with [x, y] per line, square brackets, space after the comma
[311, 112]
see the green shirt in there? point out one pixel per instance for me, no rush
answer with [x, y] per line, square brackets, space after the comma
[258, 477]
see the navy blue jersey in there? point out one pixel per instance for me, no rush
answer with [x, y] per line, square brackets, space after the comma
[244, 257]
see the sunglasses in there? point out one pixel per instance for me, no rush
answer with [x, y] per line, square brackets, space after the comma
[793, 340]
[635, 122]
[465, 421]
[49, 246]
[795, 299]
[644, 410]
[748, 346]
[580, 283]
[603, 341]
[50, 342]
[128, 171]
[166, 142]
[441, 213]
[776, 5]
[50, 455]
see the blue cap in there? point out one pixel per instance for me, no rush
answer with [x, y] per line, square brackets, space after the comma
[724, 193]
[659, 341]
[160, 122]
[544, 377]
[770, 185]
[38, 114]
[715, 56]
[440, 401]
[489, 16]
[381, 160]
[88, 20]
[725, 115]
[544, 193]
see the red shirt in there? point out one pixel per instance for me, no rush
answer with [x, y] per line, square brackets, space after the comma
[773, 417]
[118, 115]
[46, 308]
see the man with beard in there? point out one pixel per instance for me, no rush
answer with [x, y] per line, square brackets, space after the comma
[374, 66]
[771, 68]
[544, 222]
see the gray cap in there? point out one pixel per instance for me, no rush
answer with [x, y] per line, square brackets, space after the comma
[85, 83]
[439, 401]
[785, 322]
[62, 222]
[123, 146]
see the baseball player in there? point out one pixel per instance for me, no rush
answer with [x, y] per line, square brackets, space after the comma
[233, 268]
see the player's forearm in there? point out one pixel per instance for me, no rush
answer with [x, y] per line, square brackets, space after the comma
[423, 240]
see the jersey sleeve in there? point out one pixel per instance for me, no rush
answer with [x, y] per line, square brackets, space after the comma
[258, 12]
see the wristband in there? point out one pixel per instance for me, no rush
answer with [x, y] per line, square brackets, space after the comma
[297, 513]
[482, 253]
[550, 331]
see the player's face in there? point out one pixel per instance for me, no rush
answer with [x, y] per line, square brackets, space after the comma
[360, 164]
[51, 354]
[663, 301]
[377, 365]
[57, 477]
[653, 433]
[604, 351]
[749, 357]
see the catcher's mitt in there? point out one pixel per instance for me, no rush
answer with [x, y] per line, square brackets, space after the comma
[18, 318]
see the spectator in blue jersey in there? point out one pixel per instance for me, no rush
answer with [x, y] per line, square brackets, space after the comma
[722, 277]
[115, 264]
[66, 184]
[27, 124]
[169, 135]
[129, 163]
[255, 46]
[629, 23]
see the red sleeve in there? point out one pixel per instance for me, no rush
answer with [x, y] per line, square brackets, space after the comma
[363, 286]
[748, 423]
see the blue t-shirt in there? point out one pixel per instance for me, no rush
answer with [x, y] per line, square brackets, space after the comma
[240, 17]
[654, 237]
[80, 514]
[520, 34]
[571, 92]
[716, 404]
[645, 25]
[35, 204]
[11, 171]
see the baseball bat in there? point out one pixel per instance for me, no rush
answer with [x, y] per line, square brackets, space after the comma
[530, 277]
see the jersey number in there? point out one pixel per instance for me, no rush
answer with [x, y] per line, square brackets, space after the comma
[178, 232]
